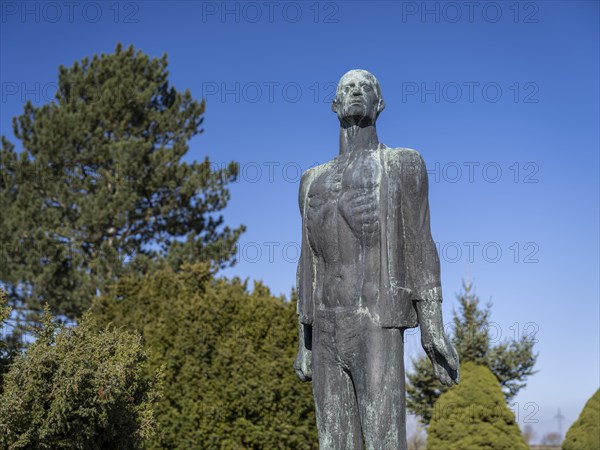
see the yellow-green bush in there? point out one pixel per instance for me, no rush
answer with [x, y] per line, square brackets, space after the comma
[584, 434]
[474, 416]
[77, 388]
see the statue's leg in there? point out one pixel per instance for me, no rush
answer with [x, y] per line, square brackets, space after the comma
[378, 376]
[338, 422]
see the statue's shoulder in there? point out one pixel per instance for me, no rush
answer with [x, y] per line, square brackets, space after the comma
[306, 180]
[402, 154]
[310, 174]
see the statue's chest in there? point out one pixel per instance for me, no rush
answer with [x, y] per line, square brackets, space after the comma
[358, 174]
[323, 193]
[321, 212]
[344, 186]
[362, 172]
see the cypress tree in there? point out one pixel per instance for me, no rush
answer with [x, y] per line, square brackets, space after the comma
[585, 432]
[228, 359]
[510, 361]
[473, 415]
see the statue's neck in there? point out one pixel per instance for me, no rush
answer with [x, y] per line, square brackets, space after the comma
[356, 138]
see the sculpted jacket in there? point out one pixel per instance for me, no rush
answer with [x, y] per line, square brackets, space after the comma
[409, 263]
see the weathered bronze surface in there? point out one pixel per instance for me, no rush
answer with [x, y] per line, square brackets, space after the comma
[368, 270]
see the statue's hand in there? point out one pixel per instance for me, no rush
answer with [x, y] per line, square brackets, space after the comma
[443, 356]
[303, 364]
[359, 209]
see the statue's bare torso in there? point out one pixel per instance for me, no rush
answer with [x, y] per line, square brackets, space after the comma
[343, 225]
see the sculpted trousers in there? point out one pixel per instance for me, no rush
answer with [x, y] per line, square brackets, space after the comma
[358, 382]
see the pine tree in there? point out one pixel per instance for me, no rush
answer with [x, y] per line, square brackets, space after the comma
[510, 361]
[5, 353]
[228, 355]
[100, 189]
[474, 416]
[585, 432]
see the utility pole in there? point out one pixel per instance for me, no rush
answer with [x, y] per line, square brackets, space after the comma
[559, 418]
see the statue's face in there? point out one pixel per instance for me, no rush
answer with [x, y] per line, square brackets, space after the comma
[357, 99]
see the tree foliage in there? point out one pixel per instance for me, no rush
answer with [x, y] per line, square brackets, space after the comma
[510, 361]
[585, 431]
[474, 416]
[229, 381]
[5, 352]
[100, 187]
[77, 388]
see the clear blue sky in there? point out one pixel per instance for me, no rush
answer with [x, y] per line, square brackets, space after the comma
[500, 98]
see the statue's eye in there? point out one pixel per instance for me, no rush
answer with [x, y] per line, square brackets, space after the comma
[367, 87]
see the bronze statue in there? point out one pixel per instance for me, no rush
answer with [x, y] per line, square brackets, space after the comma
[368, 270]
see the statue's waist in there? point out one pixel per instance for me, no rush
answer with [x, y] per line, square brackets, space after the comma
[390, 308]
[327, 319]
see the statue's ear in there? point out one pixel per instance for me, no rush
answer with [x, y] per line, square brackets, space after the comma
[381, 106]
[334, 106]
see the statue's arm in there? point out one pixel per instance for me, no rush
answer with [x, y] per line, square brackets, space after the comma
[422, 260]
[423, 270]
[304, 277]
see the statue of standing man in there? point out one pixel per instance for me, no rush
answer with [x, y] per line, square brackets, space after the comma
[368, 270]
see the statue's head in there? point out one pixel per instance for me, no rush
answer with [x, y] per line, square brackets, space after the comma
[358, 98]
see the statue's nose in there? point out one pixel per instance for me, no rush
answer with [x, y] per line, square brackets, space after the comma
[357, 93]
